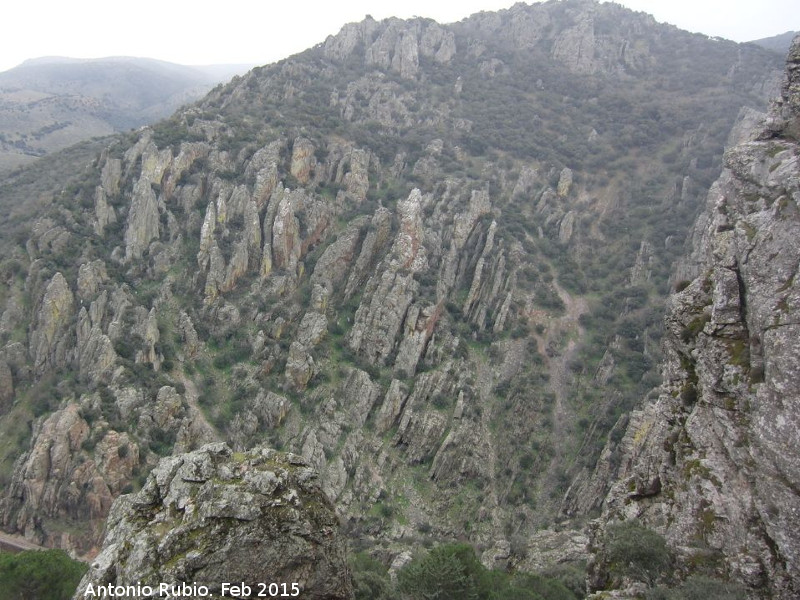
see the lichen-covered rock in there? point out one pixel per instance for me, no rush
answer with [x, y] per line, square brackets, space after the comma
[408, 251]
[303, 160]
[333, 265]
[191, 341]
[713, 462]
[111, 175]
[286, 233]
[564, 182]
[419, 326]
[380, 314]
[143, 220]
[55, 481]
[91, 276]
[437, 42]
[213, 516]
[104, 213]
[566, 227]
[50, 339]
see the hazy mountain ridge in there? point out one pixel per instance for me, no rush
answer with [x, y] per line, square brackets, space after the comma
[430, 259]
[53, 102]
[777, 43]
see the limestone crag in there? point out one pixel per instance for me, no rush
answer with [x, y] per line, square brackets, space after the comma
[213, 516]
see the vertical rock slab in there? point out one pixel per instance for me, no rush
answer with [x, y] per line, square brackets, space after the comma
[50, 338]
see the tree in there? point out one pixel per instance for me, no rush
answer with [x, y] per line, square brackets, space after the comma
[39, 574]
[448, 572]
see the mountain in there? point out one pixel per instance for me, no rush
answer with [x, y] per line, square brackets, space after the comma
[778, 43]
[50, 103]
[712, 461]
[430, 259]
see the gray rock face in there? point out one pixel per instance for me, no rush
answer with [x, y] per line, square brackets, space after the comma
[143, 219]
[393, 44]
[303, 160]
[49, 341]
[713, 462]
[213, 516]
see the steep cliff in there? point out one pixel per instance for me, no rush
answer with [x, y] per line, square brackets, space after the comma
[712, 461]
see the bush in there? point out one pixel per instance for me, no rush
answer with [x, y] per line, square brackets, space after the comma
[452, 571]
[370, 579]
[39, 574]
[447, 572]
[636, 552]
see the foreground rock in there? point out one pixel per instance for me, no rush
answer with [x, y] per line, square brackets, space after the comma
[212, 517]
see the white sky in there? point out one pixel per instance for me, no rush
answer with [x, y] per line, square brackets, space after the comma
[263, 31]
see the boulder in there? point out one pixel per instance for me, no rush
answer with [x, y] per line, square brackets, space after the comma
[213, 516]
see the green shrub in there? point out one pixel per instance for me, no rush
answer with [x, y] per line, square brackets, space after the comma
[370, 578]
[636, 552]
[39, 574]
[449, 572]
[699, 587]
[453, 571]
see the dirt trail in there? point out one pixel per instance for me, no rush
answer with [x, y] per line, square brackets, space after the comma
[560, 378]
[559, 365]
[15, 543]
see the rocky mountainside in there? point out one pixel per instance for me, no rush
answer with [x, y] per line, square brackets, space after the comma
[712, 462]
[430, 259]
[50, 103]
[214, 516]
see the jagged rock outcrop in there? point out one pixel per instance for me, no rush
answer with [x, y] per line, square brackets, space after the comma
[50, 338]
[713, 461]
[143, 219]
[303, 160]
[214, 516]
[104, 213]
[394, 44]
[54, 481]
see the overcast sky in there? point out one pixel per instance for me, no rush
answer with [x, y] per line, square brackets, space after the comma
[263, 31]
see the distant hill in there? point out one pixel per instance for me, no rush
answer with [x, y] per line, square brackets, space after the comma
[53, 102]
[778, 43]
